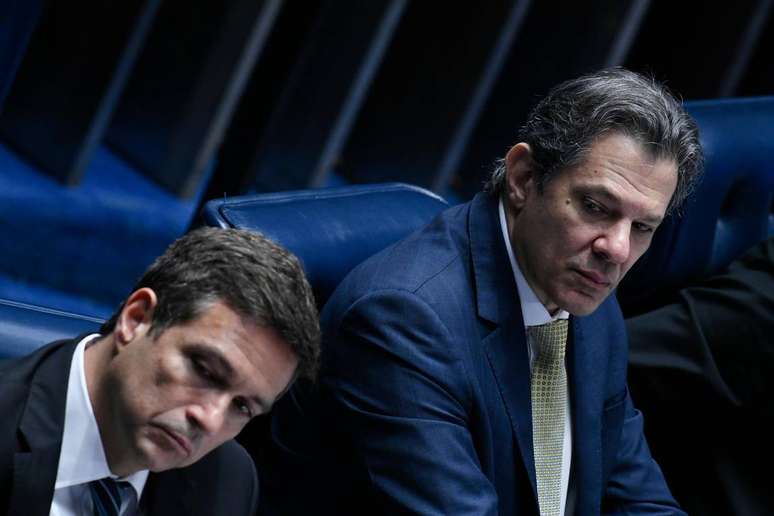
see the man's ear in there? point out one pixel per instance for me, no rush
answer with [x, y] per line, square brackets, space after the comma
[519, 174]
[136, 316]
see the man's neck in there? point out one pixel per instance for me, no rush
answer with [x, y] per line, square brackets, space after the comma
[510, 221]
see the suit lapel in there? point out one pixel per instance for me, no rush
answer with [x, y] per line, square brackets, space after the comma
[33, 481]
[586, 375]
[497, 302]
[40, 428]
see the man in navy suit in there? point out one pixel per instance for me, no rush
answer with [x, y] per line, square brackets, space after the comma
[139, 418]
[479, 365]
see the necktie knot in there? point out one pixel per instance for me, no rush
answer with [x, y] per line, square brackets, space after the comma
[551, 339]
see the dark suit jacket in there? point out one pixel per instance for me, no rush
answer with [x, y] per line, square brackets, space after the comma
[702, 369]
[424, 397]
[33, 391]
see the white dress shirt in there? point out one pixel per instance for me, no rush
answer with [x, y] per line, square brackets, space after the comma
[535, 314]
[82, 458]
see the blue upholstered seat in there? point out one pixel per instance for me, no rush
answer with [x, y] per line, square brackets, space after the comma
[331, 230]
[24, 328]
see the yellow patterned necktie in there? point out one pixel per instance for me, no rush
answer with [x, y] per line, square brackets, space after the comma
[549, 400]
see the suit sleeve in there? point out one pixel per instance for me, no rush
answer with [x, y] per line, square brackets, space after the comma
[401, 395]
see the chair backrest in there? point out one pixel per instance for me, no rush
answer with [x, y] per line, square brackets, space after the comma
[331, 230]
[24, 328]
[730, 211]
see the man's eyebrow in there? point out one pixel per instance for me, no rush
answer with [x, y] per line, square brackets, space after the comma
[652, 220]
[602, 191]
[223, 367]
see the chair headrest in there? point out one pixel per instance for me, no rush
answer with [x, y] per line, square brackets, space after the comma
[331, 230]
[24, 328]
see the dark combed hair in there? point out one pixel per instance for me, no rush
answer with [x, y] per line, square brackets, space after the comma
[251, 274]
[564, 125]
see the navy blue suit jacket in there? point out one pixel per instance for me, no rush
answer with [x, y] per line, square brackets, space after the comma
[424, 394]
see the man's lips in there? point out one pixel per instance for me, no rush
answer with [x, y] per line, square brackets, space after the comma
[178, 439]
[593, 278]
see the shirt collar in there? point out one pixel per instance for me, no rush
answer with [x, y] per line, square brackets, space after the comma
[532, 310]
[82, 458]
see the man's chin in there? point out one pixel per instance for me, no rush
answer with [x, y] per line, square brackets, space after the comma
[580, 304]
[158, 458]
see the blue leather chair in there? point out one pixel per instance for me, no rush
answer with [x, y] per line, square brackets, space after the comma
[24, 328]
[331, 230]
[729, 213]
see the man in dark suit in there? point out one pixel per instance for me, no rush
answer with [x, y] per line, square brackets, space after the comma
[139, 419]
[701, 368]
[445, 387]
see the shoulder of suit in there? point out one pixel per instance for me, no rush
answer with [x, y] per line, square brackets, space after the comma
[413, 262]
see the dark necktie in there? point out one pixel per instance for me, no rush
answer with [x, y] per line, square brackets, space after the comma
[106, 496]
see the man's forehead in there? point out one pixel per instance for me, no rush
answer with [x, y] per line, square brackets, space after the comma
[623, 154]
[619, 168]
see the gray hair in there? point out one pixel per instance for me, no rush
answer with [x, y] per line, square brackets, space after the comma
[563, 126]
[251, 274]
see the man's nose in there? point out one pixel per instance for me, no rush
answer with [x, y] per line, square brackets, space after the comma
[614, 244]
[210, 413]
